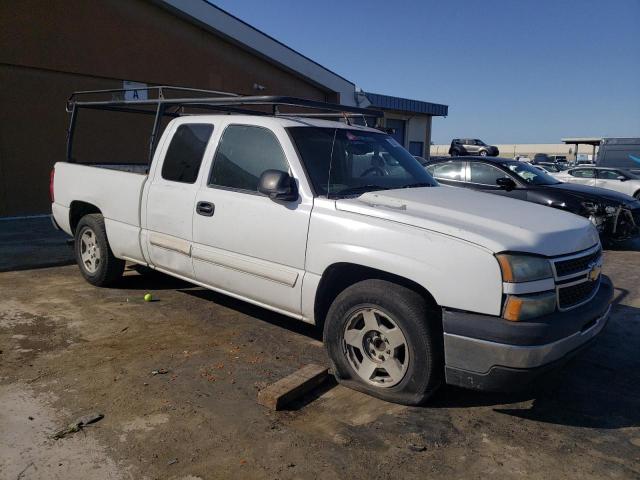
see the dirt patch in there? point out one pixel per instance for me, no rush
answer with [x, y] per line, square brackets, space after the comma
[68, 348]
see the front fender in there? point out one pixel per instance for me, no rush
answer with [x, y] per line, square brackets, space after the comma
[456, 273]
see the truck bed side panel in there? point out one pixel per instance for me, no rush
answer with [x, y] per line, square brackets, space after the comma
[115, 193]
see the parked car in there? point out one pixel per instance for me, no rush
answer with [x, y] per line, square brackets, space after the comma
[414, 284]
[472, 146]
[615, 215]
[618, 179]
[558, 158]
[541, 158]
[620, 153]
[552, 167]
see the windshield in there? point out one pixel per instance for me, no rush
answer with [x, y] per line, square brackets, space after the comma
[531, 174]
[342, 162]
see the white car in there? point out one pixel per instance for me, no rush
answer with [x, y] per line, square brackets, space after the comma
[339, 226]
[616, 179]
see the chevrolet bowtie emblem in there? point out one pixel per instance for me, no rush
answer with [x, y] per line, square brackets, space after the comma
[595, 269]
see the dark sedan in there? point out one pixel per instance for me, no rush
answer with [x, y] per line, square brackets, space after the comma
[615, 215]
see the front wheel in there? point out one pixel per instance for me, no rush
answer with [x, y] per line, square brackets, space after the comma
[97, 263]
[483, 153]
[637, 195]
[384, 339]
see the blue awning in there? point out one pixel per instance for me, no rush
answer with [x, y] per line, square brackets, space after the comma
[406, 105]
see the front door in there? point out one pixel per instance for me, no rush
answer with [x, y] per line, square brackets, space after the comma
[250, 246]
[484, 177]
[170, 198]
[611, 179]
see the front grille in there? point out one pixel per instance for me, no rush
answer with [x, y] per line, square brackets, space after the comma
[576, 294]
[576, 265]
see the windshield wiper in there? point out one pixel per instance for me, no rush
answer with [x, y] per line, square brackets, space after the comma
[360, 189]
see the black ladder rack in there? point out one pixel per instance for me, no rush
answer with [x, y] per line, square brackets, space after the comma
[211, 100]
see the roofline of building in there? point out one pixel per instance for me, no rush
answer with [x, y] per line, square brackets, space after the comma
[583, 140]
[387, 102]
[238, 32]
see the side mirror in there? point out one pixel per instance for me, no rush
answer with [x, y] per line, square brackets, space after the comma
[278, 185]
[622, 178]
[507, 183]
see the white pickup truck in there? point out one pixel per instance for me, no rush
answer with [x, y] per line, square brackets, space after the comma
[338, 225]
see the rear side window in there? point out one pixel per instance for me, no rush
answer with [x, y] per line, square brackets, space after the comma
[583, 173]
[184, 156]
[244, 153]
[448, 170]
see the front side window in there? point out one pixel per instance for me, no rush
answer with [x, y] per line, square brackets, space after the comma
[583, 173]
[485, 174]
[448, 170]
[184, 155]
[342, 162]
[243, 154]
[609, 174]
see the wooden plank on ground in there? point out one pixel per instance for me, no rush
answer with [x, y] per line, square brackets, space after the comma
[284, 391]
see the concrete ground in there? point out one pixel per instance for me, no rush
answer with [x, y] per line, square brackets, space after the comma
[68, 349]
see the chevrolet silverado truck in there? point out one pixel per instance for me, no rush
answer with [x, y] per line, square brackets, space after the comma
[337, 225]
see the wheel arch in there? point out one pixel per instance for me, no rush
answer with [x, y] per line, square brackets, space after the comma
[79, 209]
[339, 276]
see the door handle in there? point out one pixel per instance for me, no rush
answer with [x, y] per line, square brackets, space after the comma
[206, 209]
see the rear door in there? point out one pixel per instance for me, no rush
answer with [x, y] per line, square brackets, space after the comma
[449, 173]
[582, 176]
[248, 245]
[171, 194]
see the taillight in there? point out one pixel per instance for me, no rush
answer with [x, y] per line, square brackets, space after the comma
[51, 177]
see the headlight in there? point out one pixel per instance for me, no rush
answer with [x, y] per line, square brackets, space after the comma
[523, 268]
[523, 307]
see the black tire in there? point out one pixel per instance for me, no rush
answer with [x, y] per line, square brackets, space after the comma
[109, 269]
[484, 153]
[422, 329]
[454, 153]
[637, 195]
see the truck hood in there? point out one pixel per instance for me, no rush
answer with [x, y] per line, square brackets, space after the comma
[496, 223]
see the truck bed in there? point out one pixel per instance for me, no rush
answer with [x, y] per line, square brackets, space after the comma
[114, 189]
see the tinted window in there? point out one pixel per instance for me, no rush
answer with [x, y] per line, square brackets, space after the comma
[485, 174]
[244, 153]
[583, 173]
[184, 155]
[448, 170]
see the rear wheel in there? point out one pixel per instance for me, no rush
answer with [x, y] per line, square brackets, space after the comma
[384, 340]
[97, 263]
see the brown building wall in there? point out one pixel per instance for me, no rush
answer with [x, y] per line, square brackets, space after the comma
[50, 48]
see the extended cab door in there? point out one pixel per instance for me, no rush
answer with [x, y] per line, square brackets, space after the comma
[170, 196]
[251, 246]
